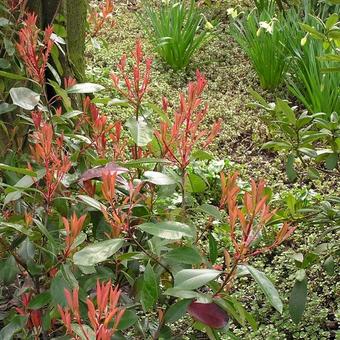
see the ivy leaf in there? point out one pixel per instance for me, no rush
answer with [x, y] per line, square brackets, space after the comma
[267, 287]
[24, 97]
[97, 252]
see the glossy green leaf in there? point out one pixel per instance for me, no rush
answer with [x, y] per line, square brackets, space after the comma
[85, 88]
[149, 293]
[213, 252]
[186, 255]
[128, 319]
[16, 325]
[177, 311]
[169, 230]
[18, 170]
[140, 131]
[194, 278]
[290, 170]
[158, 178]
[24, 97]
[297, 300]
[211, 210]
[267, 287]
[196, 183]
[97, 252]
[40, 300]
[92, 202]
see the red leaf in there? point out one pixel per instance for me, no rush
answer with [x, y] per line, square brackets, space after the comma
[99, 171]
[209, 314]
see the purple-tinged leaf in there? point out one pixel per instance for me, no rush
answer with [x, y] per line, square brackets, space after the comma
[208, 313]
[110, 168]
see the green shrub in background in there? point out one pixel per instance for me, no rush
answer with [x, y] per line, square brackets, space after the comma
[262, 37]
[175, 29]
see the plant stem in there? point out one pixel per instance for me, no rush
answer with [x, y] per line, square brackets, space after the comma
[227, 278]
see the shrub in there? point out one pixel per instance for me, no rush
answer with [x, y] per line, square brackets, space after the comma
[262, 37]
[175, 29]
[98, 204]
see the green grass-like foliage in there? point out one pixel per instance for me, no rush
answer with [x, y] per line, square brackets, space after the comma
[262, 38]
[317, 90]
[175, 30]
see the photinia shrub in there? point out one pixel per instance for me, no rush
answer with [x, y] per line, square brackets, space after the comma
[101, 233]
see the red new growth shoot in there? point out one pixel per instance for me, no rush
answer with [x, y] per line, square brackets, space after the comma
[33, 53]
[178, 138]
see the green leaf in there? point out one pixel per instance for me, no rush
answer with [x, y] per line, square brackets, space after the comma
[85, 88]
[186, 255]
[315, 33]
[158, 178]
[267, 287]
[5, 107]
[297, 300]
[97, 252]
[213, 253]
[194, 278]
[332, 20]
[79, 331]
[40, 300]
[309, 152]
[332, 161]
[329, 266]
[140, 131]
[9, 270]
[24, 183]
[188, 294]
[57, 288]
[128, 319]
[18, 170]
[211, 210]
[13, 76]
[177, 311]
[18, 227]
[143, 161]
[92, 202]
[17, 324]
[24, 97]
[290, 170]
[169, 230]
[149, 293]
[195, 183]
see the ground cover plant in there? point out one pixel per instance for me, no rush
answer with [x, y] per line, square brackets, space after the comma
[134, 204]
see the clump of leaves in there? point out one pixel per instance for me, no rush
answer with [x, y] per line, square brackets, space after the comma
[176, 31]
[262, 36]
[303, 136]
